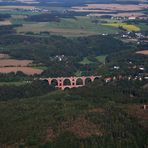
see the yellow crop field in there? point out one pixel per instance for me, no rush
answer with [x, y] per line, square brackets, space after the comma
[124, 25]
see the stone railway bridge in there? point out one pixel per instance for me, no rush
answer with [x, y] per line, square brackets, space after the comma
[70, 82]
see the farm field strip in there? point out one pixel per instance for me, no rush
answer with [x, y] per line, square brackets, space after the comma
[111, 7]
[104, 9]
[144, 52]
[13, 62]
[16, 7]
[26, 70]
[124, 25]
[123, 14]
[8, 65]
[5, 23]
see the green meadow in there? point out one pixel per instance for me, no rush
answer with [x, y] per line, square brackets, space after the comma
[78, 26]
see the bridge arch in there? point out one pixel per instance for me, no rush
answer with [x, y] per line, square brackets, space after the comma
[96, 78]
[54, 82]
[79, 81]
[88, 81]
[67, 81]
[67, 88]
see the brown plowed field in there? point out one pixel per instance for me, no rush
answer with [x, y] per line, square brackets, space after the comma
[112, 7]
[26, 70]
[13, 62]
[96, 8]
[4, 56]
[145, 52]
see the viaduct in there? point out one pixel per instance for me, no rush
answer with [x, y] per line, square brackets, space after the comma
[70, 82]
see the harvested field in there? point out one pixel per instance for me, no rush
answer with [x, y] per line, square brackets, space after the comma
[4, 56]
[123, 14]
[8, 65]
[111, 7]
[16, 7]
[144, 52]
[28, 1]
[5, 23]
[103, 9]
[26, 70]
[13, 62]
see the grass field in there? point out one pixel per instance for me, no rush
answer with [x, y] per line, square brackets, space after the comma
[143, 27]
[85, 61]
[41, 67]
[78, 73]
[101, 58]
[69, 27]
[124, 25]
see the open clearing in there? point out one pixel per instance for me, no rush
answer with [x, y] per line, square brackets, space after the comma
[101, 58]
[85, 61]
[144, 52]
[26, 70]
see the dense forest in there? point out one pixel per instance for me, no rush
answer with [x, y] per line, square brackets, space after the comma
[93, 116]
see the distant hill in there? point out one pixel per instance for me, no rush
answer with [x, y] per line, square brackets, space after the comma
[78, 1]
